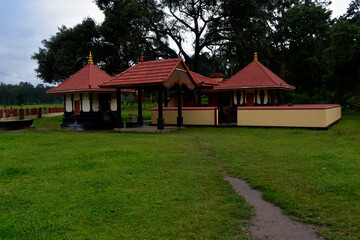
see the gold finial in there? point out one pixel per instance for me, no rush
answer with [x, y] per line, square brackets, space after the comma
[90, 59]
[255, 57]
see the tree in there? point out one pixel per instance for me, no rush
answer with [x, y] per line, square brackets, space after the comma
[306, 27]
[129, 29]
[343, 56]
[20, 98]
[67, 51]
[246, 30]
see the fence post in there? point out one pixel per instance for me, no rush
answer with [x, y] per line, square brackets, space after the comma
[21, 113]
[39, 113]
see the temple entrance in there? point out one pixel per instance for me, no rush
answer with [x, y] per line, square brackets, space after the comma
[227, 113]
[250, 99]
[77, 107]
[104, 102]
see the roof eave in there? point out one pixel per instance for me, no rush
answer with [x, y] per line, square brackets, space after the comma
[80, 91]
[255, 87]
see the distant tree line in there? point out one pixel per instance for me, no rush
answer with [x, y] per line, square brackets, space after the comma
[297, 39]
[25, 93]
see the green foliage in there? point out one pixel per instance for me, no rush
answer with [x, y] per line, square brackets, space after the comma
[304, 31]
[295, 39]
[67, 51]
[20, 98]
[343, 56]
[25, 93]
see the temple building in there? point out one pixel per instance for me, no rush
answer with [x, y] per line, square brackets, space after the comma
[85, 103]
[254, 85]
[92, 98]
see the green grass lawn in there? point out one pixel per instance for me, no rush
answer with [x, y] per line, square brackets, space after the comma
[57, 184]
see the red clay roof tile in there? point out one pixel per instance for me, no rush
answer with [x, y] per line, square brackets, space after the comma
[217, 75]
[89, 77]
[149, 72]
[254, 75]
[202, 80]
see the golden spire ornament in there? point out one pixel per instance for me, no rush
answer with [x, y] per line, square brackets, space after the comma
[255, 57]
[90, 59]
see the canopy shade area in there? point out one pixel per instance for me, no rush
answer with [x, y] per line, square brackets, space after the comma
[158, 75]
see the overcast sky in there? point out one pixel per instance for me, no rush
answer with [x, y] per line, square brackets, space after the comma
[25, 23]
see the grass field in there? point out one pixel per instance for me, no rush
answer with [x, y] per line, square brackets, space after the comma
[102, 185]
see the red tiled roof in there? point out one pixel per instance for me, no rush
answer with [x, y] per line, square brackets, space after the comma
[143, 73]
[202, 80]
[86, 79]
[255, 75]
[217, 75]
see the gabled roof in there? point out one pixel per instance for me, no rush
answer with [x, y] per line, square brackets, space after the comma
[201, 80]
[254, 76]
[149, 73]
[86, 79]
[217, 75]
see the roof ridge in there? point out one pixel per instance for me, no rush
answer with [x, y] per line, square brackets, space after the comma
[66, 80]
[262, 68]
[151, 61]
[174, 68]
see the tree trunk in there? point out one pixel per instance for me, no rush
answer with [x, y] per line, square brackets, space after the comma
[309, 97]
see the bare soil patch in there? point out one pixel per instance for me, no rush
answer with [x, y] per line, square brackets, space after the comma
[270, 222]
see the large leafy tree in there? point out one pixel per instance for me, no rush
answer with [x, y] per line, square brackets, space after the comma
[305, 33]
[343, 57]
[246, 28]
[131, 27]
[67, 51]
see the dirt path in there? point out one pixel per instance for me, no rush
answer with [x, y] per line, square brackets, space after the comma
[270, 222]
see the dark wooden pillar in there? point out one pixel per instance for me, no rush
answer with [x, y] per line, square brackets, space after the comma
[119, 122]
[269, 97]
[72, 103]
[179, 117]
[81, 102]
[244, 98]
[140, 117]
[255, 99]
[274, 97]
[91, 101]
[64, 104]
[160, 120]
[199, 97]
[238, 98]
[166, 98]
[262, 96]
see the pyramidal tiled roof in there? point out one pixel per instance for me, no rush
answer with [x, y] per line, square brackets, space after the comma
[255, 75]
[86, 79]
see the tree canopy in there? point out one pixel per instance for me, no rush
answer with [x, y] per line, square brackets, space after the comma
[296, 39]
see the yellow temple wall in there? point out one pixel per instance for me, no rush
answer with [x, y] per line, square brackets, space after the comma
[204, 116]
[296, 116]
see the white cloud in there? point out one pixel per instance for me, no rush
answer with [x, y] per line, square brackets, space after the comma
[339, 7]
[25, 23]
